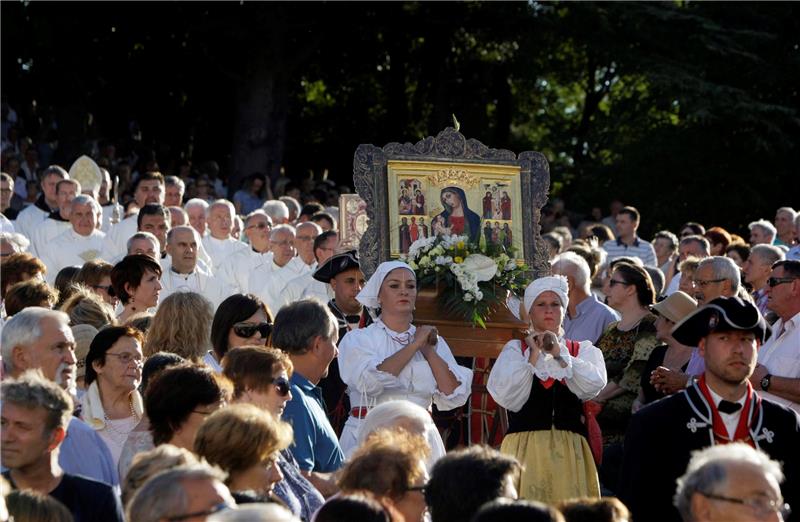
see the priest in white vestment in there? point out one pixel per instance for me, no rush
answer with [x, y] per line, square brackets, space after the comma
[58, 221]
[219, 243]
[248, 270]
[305, 286]
[149, 189]
[284, 267]
[184, 275]
[30, 217]
[81, 243]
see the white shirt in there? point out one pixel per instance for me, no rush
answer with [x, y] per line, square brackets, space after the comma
[246, 270]
[70, 249]
[44, 233]
[781, 355]
[305, 286]
[730, 420]
[511, 378]
[116, 243]
[28, 219]
[212, 288]
[272, 291]
[220, 249]
[108, 212]
[6, 225]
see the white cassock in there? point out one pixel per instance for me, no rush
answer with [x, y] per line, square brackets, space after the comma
[108, 213]
[271, 291]
[305, 286]
[28, 219]
[6, 225]
[70, 249]
[246, 270]
[45, 232]
[221, 249]
[115, 245]
[212, 288]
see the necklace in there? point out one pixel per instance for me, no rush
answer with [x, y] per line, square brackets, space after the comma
[135, 417]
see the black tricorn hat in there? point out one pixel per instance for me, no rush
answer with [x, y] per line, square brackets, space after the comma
[720, 314]
[337, 264]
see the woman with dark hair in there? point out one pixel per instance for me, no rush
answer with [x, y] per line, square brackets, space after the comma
[136, 282]
[112, 404]
[739, 253]
[179, 399]
[96, 275]
[65, 283]
[20, 267]
[457, 217]
[240, 320]
[719, 239]
[359, 506]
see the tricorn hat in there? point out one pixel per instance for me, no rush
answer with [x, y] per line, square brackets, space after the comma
[721, 314]
[337, 264]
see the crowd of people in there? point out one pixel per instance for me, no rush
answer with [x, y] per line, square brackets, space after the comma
[174, 356]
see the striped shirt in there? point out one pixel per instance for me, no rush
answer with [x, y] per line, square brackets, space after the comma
[640, 248]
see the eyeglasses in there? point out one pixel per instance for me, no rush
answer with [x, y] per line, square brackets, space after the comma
[126, 358]
[283, 243]
[216, 509]
[421, 488]
[775, 281]
[702, 283]
[249, 329]
[613, 282]
[260, 226]
[305, 238]
[763, 506]
[281, 385]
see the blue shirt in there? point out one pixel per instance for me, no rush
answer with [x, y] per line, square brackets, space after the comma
[316, 447]
[640, 248]
[83, 452]
[591, 319]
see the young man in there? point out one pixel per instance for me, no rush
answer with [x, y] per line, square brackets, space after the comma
[149, 188]
[627, 242]
[720, 407]
[35, 416]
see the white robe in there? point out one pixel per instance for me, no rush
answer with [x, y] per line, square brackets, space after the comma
[512, 375]
[272, 291]
[28, 219]
[361, 351]
[71, 249]
[45, 233]
[246, 270]
[108, 212]
[221, 249]
[212, 288]
[115, 245]
[305, 286]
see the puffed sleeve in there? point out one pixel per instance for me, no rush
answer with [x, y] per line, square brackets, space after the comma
[463, 376]
[511, 377]
[360, 354]
[588, 371]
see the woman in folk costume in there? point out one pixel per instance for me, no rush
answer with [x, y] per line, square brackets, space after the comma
[391, 359]
[543, 383]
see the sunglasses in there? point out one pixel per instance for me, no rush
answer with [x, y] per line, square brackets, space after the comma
[614, 282]
[249, 329]
[775, 281]
[281, 385]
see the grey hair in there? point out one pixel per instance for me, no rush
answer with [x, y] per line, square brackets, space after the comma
[767, 253]
[723, 268]
[34, 390]
[700, 240]
[175, 181]
[309, 224]
[256, 511]
[142, 235]
[255, 213]
[276, 209]
[163, 495]
[672, 238]
[297, 325]
[577, 267]
[196, 203]
[283, 228]
[18, 242]
[85, 199]
[25, 328]
[708, 469]
[291, 204]
[764, 225]
[221, 203]
[789, 210]
[147, 464]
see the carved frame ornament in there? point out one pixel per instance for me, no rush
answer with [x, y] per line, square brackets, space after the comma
[370, 176]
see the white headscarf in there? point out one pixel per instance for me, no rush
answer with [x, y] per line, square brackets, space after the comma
[368, 296]
[556, 284]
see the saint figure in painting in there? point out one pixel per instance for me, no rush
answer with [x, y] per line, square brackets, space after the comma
[456, 217]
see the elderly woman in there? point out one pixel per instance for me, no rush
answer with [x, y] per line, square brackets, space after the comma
[543, 383]
[391, 465]
[260, 377]
[112, 404]
[393, 359]
[245, 442]
[182, 325]
[240, 320]
[136, 282]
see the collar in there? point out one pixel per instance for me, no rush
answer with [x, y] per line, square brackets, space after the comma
[92, 407]
[303, 383]
[185, 276]
[634, 244]
[401, 338]
[41, 204]
[584, 305]
[56, 214]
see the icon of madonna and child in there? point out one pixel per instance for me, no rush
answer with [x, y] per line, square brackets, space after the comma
[455, 218]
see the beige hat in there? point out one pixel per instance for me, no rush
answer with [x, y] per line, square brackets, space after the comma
[676, 306]
[84, 335]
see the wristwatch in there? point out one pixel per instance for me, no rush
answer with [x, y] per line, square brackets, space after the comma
[765, 382]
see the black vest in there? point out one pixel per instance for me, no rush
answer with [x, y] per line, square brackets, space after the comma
[550, 407]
